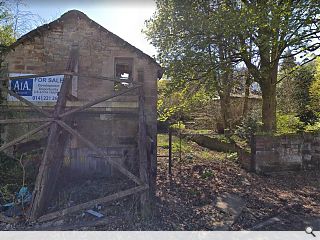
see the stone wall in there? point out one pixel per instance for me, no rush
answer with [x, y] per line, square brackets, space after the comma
[287, 152]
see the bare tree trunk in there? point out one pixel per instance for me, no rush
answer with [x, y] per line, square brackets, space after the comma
[269, 101]
[225, 109]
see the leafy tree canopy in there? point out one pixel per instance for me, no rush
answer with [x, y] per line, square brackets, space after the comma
[189, 35]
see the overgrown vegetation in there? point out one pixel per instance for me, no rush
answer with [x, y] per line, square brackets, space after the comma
[201, 43]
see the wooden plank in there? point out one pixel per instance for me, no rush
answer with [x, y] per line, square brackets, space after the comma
[89, 111]
[143, 152]
[74, 87]
[53, 155]
[170, 151]
[28, 134]
[77, 226]
[111, 79]
[100, 152]
[25, 101]
[30, 120]
[36, 75]
[92, 203]
[68, 73]
[96, 101]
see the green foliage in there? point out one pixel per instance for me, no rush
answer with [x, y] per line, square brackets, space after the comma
[250, 125]
[288, 123]
[287, 88]
[179, 125]
[304, 77]
[198, 40]
[170, 106]
[10, 175]
[297, 93]
[313, 128]
[207, 174]
[6, 26]
[232, 156]
[176, 104]
[195, 63]
[314, 90]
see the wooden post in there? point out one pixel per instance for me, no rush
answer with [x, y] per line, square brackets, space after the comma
[170, 151]
[53, 155]
[253, 153]
[143, 154]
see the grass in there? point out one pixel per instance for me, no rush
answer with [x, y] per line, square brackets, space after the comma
[190, 149]
[163, 141]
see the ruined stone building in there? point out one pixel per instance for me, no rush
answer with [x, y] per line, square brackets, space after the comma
[113, 124]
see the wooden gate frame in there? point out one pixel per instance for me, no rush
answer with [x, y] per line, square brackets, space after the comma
[57, 122]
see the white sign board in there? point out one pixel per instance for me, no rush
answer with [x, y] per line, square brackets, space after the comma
[37, 89]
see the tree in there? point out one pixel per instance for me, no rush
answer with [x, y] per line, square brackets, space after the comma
[255, 32]
[287, 87]
[294, 96]
[314, 90]
[6, 27]
[263, 30]
[191, 56]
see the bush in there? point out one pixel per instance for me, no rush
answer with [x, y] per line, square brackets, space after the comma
[313, 127]
[289, 123]
[249, 125]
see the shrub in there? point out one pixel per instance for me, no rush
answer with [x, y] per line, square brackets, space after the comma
[249, 125]
[288, 123]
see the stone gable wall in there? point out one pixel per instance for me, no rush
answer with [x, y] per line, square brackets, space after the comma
[49, 52]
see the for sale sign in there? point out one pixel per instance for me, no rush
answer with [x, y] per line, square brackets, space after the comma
[39, 89]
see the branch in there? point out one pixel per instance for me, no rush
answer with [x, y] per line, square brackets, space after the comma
[296, 68]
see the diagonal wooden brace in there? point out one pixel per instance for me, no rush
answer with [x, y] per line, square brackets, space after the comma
[96, 101]
[82, 206]
[25, 101]
[19, 139]
[29, 120]
[100, 152]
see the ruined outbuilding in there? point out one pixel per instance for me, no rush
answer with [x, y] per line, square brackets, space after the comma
[98, 64]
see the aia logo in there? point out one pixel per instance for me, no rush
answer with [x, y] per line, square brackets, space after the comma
[22, 87]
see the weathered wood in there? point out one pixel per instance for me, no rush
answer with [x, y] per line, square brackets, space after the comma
[111, 79]
[36, 75]
[77, 226]
[7, 219]
[98, 110]
[143, 154]
[92, 203]
[28, 134]
[253, 153]
[30, 120]
[53, 155]
[100, 152]
[25, 101]
[170, 151]
[96, 101]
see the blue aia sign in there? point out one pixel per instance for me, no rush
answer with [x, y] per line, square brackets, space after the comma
[22, 87]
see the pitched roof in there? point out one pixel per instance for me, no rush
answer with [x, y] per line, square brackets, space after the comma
[78, 14]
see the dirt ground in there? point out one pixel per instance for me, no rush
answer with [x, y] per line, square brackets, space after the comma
[190, 199]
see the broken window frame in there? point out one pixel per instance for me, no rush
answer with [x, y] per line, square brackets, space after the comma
[127, 65]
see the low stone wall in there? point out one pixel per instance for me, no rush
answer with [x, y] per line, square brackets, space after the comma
[287, 152]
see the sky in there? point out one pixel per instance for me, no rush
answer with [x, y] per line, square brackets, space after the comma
[124, 18]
